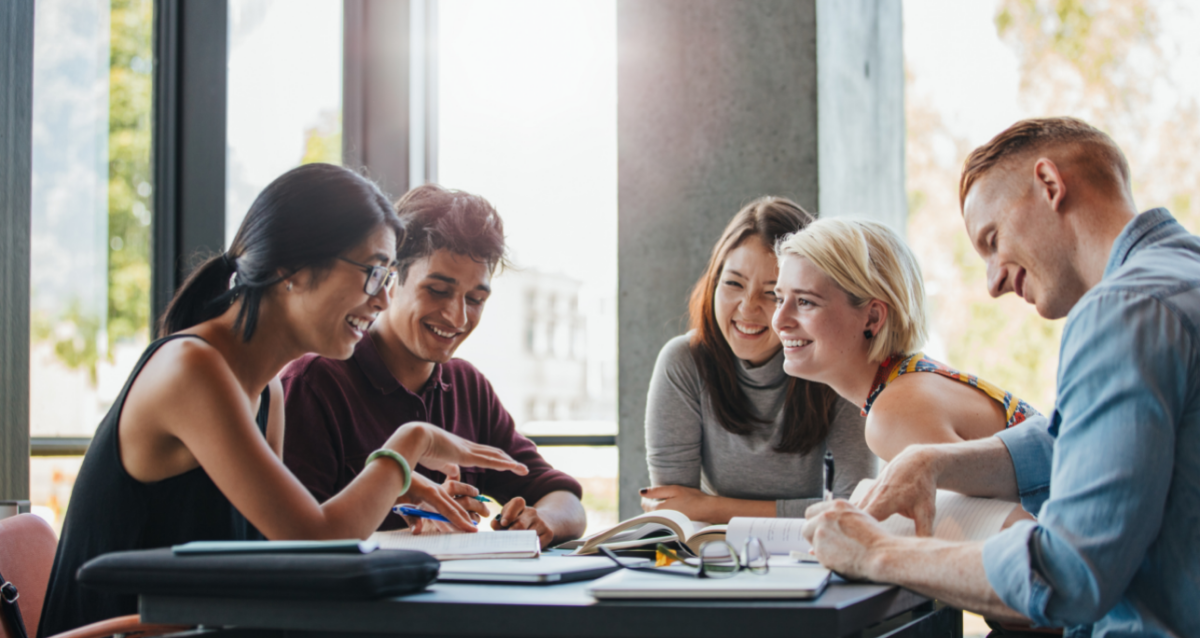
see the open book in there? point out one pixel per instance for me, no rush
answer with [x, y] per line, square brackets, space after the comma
[459, 545]
[958, 517]
[662, 526]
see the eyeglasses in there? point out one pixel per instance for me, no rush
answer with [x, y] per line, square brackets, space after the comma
[378, 277]
[717, 559]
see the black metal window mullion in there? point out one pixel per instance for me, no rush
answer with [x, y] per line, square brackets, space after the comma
[188, 146]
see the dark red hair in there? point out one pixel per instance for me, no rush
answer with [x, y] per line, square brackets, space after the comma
[438, 218]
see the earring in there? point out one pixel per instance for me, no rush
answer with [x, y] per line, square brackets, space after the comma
[289, 287]
[866, 333]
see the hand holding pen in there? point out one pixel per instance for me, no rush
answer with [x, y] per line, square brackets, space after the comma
[456, 504]
[516, 514]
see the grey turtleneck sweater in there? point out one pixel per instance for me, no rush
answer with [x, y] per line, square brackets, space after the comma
[686, 445]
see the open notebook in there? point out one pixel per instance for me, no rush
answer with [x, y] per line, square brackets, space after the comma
[460, 545]
[646, 530]
[958, 518]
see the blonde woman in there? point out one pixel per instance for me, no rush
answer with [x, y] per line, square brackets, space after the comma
[728, 433]
[850, 311]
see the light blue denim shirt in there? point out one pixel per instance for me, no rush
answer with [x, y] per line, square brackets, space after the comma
[1114, 474]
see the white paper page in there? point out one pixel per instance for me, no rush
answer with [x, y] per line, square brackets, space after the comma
[445, 545]
[641, 531]
[779, 535]
[958, 517]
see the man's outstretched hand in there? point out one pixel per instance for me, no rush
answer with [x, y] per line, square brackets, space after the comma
[908, 487]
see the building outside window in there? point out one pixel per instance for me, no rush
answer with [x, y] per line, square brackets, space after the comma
[527, 117]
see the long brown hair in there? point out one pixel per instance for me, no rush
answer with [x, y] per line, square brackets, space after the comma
[809, 406]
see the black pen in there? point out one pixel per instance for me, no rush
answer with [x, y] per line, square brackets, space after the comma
[828, 475]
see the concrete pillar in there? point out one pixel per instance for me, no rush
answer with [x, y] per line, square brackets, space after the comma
[718, 103]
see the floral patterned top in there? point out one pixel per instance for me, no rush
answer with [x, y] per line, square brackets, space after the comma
[1015, 410]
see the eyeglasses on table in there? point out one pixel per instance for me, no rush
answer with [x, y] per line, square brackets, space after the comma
[716, 559]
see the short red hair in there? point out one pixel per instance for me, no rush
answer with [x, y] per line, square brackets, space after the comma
[1082, 144]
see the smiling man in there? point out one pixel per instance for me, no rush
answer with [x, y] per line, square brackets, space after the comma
[1114, 475]
[339, 412]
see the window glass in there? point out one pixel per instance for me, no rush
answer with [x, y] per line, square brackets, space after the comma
[91, 198]
[285, 94]
[527, 117]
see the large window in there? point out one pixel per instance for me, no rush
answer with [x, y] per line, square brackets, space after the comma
[527, 117]
[90, 272]
[285, 94]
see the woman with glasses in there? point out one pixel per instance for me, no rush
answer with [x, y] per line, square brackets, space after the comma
[727, 432]
[190, 450]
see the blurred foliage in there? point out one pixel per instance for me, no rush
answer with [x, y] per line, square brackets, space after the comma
[323, 142]
[1109, 64]
[129, 171]
[75, 333]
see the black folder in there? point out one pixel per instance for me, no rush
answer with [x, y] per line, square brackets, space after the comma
[332, 576]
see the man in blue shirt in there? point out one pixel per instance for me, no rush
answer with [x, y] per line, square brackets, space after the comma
[1114, 475]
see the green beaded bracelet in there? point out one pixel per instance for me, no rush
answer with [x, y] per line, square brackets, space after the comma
[399, 461]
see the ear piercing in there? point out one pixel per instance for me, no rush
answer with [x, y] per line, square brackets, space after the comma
[289, 287]
[866, 333]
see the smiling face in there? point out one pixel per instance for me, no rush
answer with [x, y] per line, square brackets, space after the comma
[822, 333]
[433, 311]
[1026, 243]
[330, 309]
[744, 299]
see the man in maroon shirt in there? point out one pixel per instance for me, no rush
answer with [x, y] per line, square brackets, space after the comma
[338, 412]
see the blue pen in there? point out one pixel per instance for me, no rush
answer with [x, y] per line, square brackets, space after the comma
[407, 510]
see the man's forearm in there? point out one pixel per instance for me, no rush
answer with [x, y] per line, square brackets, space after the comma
[976, 468]
[950, 572]
[562, 512]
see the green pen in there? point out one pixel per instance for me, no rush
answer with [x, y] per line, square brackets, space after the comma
[481, 499]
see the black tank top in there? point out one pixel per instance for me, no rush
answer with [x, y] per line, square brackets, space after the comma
[111, 511]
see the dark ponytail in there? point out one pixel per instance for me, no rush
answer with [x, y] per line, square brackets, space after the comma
[306, 218]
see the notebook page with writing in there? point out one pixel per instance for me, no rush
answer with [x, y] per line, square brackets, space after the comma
[450, 546]
[779, 535]
[958, 517]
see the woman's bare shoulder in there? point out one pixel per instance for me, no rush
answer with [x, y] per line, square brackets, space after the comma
[909, 411]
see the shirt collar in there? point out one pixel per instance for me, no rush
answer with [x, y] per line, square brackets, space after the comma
[1144, 230]
[370, 361]
[767, 375]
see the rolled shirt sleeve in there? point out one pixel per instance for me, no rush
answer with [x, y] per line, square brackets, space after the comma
[1031, 447]
[1122, 388]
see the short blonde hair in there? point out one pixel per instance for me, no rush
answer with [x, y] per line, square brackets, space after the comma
[868, 260]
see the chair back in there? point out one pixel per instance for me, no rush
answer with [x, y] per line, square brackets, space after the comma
[27, 546]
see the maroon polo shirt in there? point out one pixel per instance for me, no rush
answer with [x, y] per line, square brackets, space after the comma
[338, 412]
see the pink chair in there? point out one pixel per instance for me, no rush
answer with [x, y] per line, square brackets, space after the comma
[27, 546]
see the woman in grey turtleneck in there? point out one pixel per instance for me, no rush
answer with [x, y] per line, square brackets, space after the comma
[728, 433]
